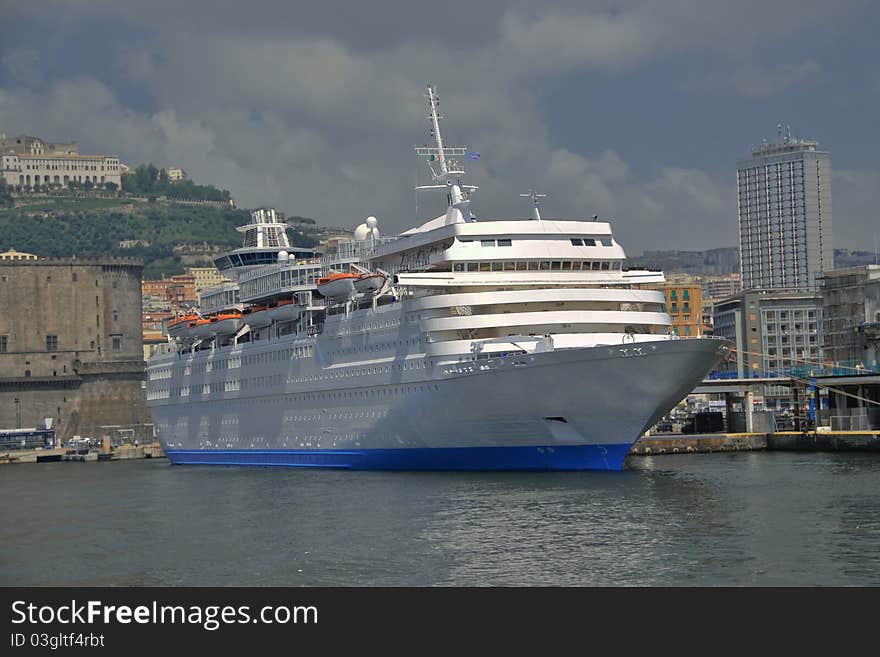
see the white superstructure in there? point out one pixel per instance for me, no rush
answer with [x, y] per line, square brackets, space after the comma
[491, 344]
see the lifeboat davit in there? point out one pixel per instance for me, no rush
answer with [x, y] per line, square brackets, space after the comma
[369, 283]
[337, 286]
[285, 311]
[257, 317]
[226, 323]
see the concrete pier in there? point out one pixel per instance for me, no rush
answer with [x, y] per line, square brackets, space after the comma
[825, 441]
[708, 442]
[821, 441]
[119, 453]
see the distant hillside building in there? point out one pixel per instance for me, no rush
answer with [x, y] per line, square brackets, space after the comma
[71, 345]
[175, 174]
[26, 162]
[784, 209]
[12, 254]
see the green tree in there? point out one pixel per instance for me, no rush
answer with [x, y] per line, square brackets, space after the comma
[5, 194]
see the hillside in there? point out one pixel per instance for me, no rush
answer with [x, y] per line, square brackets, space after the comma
[167, 235]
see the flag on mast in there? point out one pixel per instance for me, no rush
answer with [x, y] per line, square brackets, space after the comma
[473, 155]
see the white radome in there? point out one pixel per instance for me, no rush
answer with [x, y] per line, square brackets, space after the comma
[361, 232]
[367, 229]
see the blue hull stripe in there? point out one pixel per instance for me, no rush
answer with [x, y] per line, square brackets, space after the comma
[567, 457]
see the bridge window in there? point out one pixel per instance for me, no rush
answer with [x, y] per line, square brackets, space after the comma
[472, 266]
[533, 266]
[545, 265]
[504, 243]
[589, 242]
[497, 266]
[576, 242]
[606, 241]
[566, 266]
[487, 242]
[556, 265]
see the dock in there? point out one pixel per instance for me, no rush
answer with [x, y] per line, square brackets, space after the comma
[51, 455]
[817, 441]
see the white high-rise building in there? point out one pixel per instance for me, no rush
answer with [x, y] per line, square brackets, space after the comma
[784, 207]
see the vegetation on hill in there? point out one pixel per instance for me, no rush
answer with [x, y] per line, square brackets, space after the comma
[148, 180]
[167, 236]
[5, 194]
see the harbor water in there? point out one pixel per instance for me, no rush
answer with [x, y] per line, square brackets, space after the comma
[758, 518]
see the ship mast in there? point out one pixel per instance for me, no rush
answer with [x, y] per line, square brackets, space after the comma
[449, 173]
[532, 194]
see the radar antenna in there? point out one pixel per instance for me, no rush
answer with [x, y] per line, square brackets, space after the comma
[448, 172]
[532, 194]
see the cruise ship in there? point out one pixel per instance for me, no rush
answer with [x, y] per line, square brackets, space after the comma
[461, 344]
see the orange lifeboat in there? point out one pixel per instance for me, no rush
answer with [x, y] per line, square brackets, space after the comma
[227, 323]
[369, 283]
[257, 316]
[179, 327]
[337, 286]
[284, 311]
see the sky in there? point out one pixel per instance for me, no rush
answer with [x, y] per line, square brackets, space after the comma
[633, 110]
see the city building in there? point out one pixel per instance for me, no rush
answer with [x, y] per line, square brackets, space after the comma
[785, 218]
[27, 162]
[773, 330]
[178, 291]
[684, 303]
[175, 174]
[716, 288]
[851, 317]
[71, 345]
[206, 277]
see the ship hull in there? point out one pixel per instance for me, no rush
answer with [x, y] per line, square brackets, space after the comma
[572, 409]
[543, 457]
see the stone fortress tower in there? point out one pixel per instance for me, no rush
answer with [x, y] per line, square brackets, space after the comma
[71, 344]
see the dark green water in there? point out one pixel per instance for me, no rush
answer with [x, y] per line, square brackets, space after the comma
[705, 519]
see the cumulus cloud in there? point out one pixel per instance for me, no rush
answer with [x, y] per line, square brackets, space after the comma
[314, 106]
[855, 194]
[755, 80]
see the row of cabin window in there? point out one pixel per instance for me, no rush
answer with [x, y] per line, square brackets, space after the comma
[588, 241]
[539, 265]
[575, 241]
